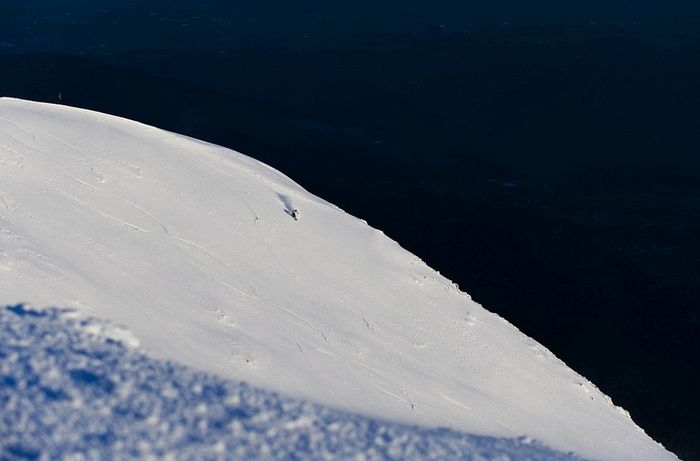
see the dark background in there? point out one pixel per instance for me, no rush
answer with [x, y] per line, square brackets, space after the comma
[542, 154]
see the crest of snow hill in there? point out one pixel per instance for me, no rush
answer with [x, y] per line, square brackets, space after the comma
[215, 261]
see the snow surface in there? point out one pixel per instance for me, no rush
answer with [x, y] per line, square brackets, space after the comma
[68, 394]
[191, 248]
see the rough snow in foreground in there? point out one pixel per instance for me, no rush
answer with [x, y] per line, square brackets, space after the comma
[64, 392]
[188, 245]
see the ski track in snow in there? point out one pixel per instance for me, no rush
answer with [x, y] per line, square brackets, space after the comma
[188, 245]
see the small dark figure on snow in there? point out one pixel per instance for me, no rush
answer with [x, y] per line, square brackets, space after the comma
[294, 214]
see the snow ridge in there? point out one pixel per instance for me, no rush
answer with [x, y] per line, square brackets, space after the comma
[194, 250]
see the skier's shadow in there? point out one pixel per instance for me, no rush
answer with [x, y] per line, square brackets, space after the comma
[287, 202]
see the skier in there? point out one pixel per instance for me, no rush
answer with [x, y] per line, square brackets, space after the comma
[295, 214]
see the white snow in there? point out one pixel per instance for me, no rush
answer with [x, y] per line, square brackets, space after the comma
[69, 394]
[191, 247]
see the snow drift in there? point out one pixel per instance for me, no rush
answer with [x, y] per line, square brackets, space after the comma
[192, 248]
[70, 394]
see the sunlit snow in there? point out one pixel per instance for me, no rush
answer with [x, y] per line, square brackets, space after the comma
[193, 249]
[66, 393]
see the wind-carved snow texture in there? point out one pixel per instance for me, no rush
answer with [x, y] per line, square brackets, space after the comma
[65, 392]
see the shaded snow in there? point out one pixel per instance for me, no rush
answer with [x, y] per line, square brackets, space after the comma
[189, 246]
[65, 392]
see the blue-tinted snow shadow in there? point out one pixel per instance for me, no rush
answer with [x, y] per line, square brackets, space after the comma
[65, 392]
[287, 202]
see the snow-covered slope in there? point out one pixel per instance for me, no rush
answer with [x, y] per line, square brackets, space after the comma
[188, 245]
[69, 394]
